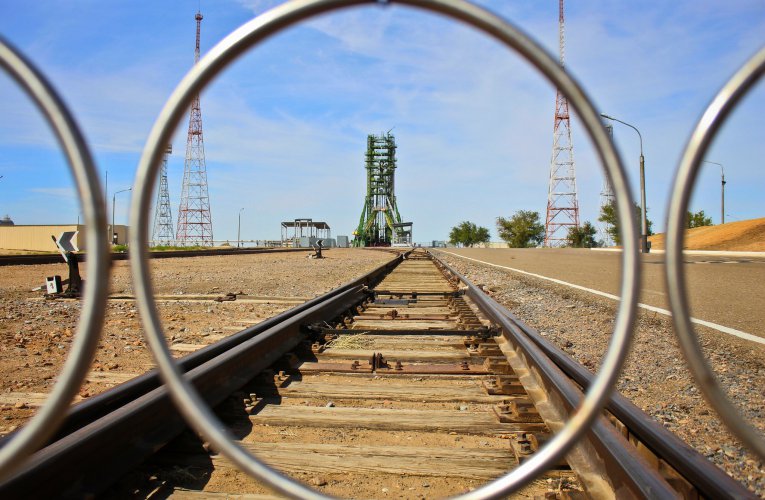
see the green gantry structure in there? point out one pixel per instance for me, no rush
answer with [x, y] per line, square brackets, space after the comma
[380, 223]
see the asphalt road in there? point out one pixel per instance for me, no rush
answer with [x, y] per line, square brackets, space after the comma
[729, 291]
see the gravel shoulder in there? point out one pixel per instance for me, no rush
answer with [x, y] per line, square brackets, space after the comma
[655, 376]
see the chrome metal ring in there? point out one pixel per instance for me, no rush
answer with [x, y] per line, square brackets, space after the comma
[248, 36]
[47, 419]
[701, 138]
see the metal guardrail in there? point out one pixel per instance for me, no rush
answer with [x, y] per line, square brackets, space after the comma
[192, 406]
[685, 178]
[199, 416]
[81, 164]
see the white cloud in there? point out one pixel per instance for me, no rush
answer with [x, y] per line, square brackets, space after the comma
[285, 127]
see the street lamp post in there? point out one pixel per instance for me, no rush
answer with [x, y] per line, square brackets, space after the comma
[644, 232]
[722, 190]
[239, 229]
[114, 200]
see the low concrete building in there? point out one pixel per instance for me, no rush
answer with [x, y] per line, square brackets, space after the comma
[37, 238]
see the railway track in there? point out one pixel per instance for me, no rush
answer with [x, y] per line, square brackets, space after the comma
[408, 381]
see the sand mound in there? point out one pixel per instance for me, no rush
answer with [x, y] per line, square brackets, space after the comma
[742, 236]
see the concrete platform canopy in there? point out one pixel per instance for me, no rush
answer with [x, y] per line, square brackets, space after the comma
[304, 233]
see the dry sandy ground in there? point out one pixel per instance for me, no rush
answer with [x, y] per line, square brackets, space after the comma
[742, 236]
[35, 334]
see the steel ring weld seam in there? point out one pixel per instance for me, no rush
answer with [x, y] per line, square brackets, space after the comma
[196, 412]
[701, 138]
[45, 422]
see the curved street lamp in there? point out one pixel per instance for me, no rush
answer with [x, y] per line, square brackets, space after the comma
[644, 225]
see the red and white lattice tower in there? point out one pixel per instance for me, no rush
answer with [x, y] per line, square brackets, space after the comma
[194, 218]
[562, 204]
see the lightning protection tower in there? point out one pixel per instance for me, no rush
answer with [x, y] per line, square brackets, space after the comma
[562, 204]
[162, 233]
[380, 223]
[194, 218]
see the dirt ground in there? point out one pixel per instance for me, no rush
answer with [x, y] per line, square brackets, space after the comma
[741, 236]
[35, 334]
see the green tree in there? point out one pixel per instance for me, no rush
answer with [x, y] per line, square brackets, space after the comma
[609, 217]
[468, 234]
[697, 219]
[522, 230]
[582, 236]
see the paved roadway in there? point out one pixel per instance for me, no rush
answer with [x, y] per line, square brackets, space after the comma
[726, 290]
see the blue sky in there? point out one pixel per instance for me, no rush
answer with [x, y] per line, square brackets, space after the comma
[285, 127]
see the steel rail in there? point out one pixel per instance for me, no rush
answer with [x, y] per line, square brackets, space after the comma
[247, 37]
[37, 259]
[31, 260]
[707, 478]
[104, 403]
[626, 470]
[82, 464]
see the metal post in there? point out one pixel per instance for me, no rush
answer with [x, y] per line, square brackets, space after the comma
[722, 199]
[114, 202]
[644, 235]
[106, 201]
[722, 189]
[238, 229]
[643, 208]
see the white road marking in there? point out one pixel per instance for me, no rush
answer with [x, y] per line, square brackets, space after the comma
[714, 326]
[716, 253]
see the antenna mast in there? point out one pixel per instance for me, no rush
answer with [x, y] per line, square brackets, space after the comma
[194, 218]
[562, 204]
[162, 234]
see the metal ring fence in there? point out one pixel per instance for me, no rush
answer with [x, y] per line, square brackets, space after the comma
[250, 35]
[48, 418]
[701, 138]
